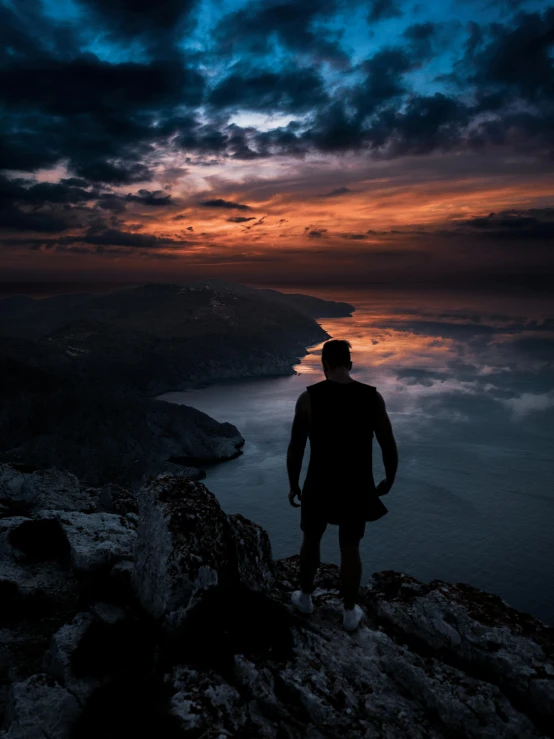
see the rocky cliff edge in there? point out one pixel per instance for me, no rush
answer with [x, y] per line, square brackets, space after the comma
[156, 614]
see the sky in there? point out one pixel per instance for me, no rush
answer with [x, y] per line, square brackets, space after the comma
[308, 140]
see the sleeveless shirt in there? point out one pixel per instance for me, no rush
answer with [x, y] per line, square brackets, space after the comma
[339, 484]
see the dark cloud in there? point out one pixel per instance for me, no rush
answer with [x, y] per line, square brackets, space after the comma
[116, 237]
[157, 24]
[316, 233]
[256, 27]
[18, 219]
[28, 191]
[150, 197]
[338, 191]
[384, 79]
[114, 173]
[354, 237]
[382, 9]
[537, 223]
[417, 376]
[111, 202]
[297, 90]
[420, 36]
[40, 207]
[220, 203]
[240, 219]
[517, 58]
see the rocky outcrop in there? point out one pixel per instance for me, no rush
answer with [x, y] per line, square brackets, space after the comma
[197, 638]
[186, 542]
[25, 490]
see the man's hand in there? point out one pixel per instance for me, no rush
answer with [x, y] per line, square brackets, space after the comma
[383, 487]
[295, 492]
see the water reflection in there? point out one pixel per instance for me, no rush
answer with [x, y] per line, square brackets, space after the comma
[469, 384]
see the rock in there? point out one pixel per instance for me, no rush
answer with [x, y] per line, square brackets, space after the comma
[115, 499]
[35, 581]
[361, 685]
[96, 540]
[182, 544]
[28, 492]
[40, 707]
[475, 631]
[57, 660]
[253, 553]
[185, 542]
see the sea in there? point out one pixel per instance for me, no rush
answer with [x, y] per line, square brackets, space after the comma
[468, 380]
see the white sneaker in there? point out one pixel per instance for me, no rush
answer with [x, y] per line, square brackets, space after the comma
[352, 618]
[302, 601]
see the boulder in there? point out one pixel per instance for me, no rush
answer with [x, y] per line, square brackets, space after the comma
[39, 707]
[185, 542]
[24, 491]
[253, 552]
[182, 544]
[57, 660]
[96, 540]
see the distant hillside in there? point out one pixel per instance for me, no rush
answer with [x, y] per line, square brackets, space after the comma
[155, 338]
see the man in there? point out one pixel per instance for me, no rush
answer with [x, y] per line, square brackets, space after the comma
[340, 415]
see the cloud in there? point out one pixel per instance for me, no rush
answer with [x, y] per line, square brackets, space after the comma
[240, 219]
[156, 24]
[316, 233]
[255, 28]
[116, 237]
[383, 9]
[295, 90]
[417, 376]
[220, 203]
[513, 224]
[150, 197]
[336, 192]
[528, 403]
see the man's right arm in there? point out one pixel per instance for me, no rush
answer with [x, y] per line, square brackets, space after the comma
[385, 437]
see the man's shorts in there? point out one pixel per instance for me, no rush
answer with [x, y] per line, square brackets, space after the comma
[350, 531]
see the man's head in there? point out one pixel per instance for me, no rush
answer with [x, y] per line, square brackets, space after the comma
[336, 353]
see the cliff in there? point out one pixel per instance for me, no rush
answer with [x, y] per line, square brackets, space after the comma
[176, 622]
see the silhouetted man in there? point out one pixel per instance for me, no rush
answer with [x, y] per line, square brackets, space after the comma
[340, 415]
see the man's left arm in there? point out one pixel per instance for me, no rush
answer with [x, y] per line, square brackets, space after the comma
[297, 444]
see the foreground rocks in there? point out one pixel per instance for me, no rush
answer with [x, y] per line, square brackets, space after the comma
[176, 622]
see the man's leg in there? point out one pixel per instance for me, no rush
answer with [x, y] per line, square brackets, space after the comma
[350, 565]
[309, 559]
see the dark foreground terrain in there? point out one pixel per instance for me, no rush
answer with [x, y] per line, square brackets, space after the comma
[157, 614]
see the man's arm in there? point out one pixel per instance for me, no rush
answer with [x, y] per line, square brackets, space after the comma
[385, 437]
[297, 444]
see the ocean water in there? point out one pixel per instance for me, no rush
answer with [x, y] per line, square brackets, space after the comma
[468, 380]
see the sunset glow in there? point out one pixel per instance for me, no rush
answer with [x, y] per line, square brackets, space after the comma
[349, 141]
